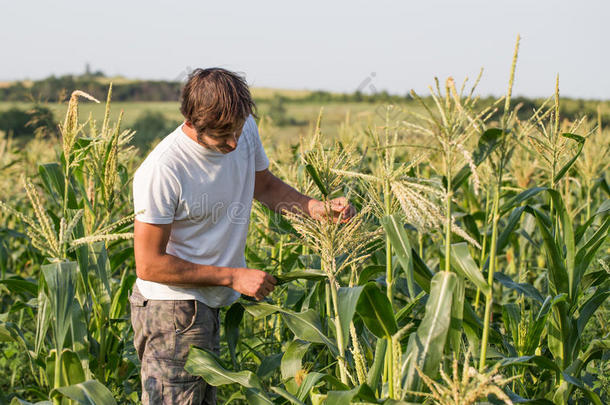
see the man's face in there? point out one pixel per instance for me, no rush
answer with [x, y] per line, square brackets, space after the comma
[221, 142]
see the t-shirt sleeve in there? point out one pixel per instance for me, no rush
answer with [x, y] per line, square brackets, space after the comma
[156, 193]
[261, 161]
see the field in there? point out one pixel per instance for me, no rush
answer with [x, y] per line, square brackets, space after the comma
[304, 114]
[477, 269]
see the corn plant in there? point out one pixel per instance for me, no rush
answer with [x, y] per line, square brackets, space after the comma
[77, 344]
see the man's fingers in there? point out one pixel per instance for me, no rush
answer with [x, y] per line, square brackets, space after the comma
[350, 212]
[338, 205]
[339, 201]
[338, 210]
[343, 213]
[264, 291]
[267, 286]
[343, 206]
[270, 279]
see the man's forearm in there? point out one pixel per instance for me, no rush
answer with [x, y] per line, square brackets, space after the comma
[279, 196]
[169, 269]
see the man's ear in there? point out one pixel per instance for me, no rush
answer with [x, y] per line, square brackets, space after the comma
[188, 124]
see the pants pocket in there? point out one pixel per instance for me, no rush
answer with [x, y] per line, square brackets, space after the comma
[137, 300]
[203, 332]
[138, 320]
[185, 315]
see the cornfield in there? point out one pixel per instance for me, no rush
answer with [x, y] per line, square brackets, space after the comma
[477, 269]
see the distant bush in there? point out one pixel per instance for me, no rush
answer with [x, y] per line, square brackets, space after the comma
[17, 122]
[278, 113]
[150, 126]
[14, 121]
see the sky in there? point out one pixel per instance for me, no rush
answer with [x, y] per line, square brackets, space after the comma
[318, 45]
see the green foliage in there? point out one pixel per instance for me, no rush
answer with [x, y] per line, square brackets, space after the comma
[152, 126]
[70, 323]
[26, 123]
[426, 345]
[353, 318]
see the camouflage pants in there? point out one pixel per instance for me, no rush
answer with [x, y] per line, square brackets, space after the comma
[163, 333]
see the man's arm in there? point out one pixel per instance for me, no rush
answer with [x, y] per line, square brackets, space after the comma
[154, 264]
[279, 196]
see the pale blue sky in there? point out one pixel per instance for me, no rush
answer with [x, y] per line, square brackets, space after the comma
[331, 45]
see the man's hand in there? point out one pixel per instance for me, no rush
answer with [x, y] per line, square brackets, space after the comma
[337, 209]
[252, 282]
[280, 197]
[153, 263]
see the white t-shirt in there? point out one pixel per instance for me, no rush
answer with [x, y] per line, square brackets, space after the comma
[207, 197]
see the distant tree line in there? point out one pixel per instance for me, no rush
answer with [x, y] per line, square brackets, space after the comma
[54, 89]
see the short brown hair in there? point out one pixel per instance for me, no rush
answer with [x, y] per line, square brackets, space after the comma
[216, 100]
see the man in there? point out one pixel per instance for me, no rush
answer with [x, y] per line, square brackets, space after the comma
[193, 195]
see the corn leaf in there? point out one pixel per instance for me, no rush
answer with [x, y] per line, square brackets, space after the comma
[286, 395]
[372, 378]
[511, 316]
[488, 141]
[71, 368]
[347, 298]
[566, 167]
[520, 198]
[308, 383]
[465, 265]
[291, 360]
[457, 316]
[558, 276]
[53, 179]
[523, 288]
[426, 345]
[587, 309]
[233, 319]
[346, 397]
[61, 283]
[376, 311]
[90, 392]
[303, 274]
[316, 179]
[202, 362]
[395, 230]
[17, 401]
[305, 325]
